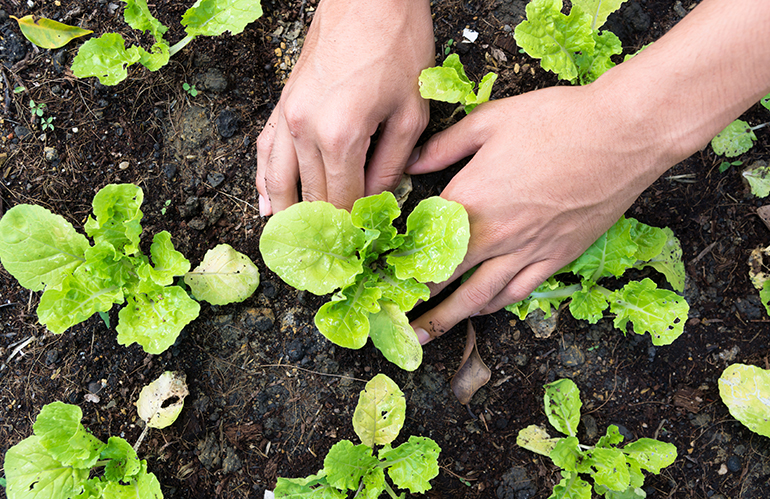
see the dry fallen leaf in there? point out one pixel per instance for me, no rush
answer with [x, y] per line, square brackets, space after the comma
[473, 373]
[764, 214]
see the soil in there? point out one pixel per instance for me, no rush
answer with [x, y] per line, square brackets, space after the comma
[268, 394]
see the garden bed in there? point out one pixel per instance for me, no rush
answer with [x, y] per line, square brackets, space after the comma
[268, 394]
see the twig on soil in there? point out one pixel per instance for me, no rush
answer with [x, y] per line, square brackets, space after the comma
[7, 95]
[703, 253]
[9, 304]
[19, 347]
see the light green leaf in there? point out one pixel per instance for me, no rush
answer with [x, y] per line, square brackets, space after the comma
[764, 296]
[607, 466]
[47, 33]
[161, 402]
[610, 255]
[345, 319]
[413, 464]
[660, 312]
[571, 487]
[598, 10]
[394, 337]
[765, 101]
[650, 454]
[155, 321]
[380, 412]
[485, 91]
[168, 262]
[562, 405]
[566, 453]
[536, 439]
[630, 493]
[33, 474]
[437, 234]
[224, 276]
[312, 487]
[403, 292]
[93, 488]
[446, 83]
[745, 390]
[118, 217]
[376, 213]
[588, 303]
[554, 38]
[547, 297]
[103, 262]
[758, 178]
[313, 246]
[346, 464]
[612, 437]
[39, 248]
[106, 58]
[65, 438]
[593, 64]
[214, 17]
[649, 240]
[123, 464]
[75, 301]
[157, 57]
[734, 140]
[374, 483]
[669, 261]
[138, 16]
[142, 486]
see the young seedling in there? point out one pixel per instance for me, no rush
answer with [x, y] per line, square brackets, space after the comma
[37, 109]
[449, 83]
[190, 89]
[570, 45]
[628, 244]
[377, 420]
[745, 390]
[107, 57]
[616, 472]
[316, 247]
[45, 253]
[737, 139]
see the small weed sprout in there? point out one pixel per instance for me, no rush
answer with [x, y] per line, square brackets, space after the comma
[38, 110]
[190, 89]
[165, 207]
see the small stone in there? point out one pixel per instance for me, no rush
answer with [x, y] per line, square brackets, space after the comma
[679, 9]
[123, 165]
[215, 179]
[227, 123]
[51, 357]
[197, 224]
[21, 131]
[734, 464]
[572, 356]
[190, 208]
[591, 428]
[213, 80]
[50, 154]
[94, 387]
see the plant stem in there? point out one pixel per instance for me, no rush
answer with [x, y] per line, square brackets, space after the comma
[390, 491]
[564, 292]
[763, 125]
[180, 45]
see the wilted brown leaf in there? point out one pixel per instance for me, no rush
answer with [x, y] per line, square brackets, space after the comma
[473, 373]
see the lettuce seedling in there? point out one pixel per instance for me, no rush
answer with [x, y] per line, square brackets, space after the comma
[629, 244]
[616, 472]
[45, 253]
[570, 45]
[737, 138]
[745, 390]
[316, 247]
[107, 57]
[61, 455]
[448, 83]
[377, 420]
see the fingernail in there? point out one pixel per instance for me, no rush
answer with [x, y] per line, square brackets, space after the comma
[413, 157]
[422, 335]
[262, 206]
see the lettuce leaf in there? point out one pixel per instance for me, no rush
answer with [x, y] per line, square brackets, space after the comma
[345, 319]
[745, 390]
[39, 248]
[118, 217]
[660, 312]
[380, 412]
[413, 464]
[168, 263]
[346, 464]
[610, 255]
[224, 276]
[106, 58]
[394, 337]
[214, 17]
[65, 438]
[75, 301]
[734, 140]
[313, 246]
[437, 235]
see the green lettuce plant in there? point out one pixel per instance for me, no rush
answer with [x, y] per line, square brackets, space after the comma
[377, 420]
[572, 46]
[745, 390]
[61, 459]
[78, 279]
[449, 83]
[629, 244]
[107, 57]
[616, 472]
[380, 274]
[737, 138]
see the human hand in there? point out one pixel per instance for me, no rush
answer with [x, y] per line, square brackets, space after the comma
[357, 73]
[552, 170]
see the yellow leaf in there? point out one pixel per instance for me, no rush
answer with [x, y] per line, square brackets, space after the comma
[47, 33]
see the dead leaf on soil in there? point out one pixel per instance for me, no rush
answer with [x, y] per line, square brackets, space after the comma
[764, 214]
[161, 401]
[757, 268]
[473, 373]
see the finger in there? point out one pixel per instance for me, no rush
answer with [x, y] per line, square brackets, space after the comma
[521, 286]
[469, 299]
[311, 171]
[397, 140]
[450, 146]
[282, 170]
[344, 156]
[264, 147]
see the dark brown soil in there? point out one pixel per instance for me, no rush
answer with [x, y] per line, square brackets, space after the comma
[268, 394]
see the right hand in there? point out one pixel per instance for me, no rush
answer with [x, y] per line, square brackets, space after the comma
[357, 73]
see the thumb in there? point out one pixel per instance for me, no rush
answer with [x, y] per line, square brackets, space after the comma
[445, 148]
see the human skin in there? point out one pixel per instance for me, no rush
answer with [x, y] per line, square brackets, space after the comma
[357, 74]
[553, 169]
